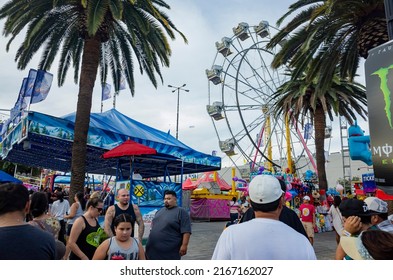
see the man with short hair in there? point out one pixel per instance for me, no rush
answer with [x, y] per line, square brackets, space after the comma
[170, 231]
[124, 206]
[287, 215]
[380, 218]
[307, 216]
[19, 240]
[265, 237]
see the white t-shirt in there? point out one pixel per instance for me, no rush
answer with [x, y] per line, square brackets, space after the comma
[58, 209]
[337, 220]
[262, 239]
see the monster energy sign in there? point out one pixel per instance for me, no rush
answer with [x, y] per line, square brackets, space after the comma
[379, 82]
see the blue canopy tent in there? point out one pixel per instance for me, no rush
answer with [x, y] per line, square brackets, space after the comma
[48, 144]
[7, 178]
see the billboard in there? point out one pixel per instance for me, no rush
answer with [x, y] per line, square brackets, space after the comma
[379, 84]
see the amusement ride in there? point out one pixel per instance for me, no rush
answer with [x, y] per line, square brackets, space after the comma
[241, 83]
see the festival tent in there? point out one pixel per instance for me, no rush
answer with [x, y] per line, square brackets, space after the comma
[129, 148]
[207, 178]
[45, 141]
[66, 179]
[7, 178]
[189, 184]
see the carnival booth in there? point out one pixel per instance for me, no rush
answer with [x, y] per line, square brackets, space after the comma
[7, 178]
[368, 187]
[209, 197]
[45, 141]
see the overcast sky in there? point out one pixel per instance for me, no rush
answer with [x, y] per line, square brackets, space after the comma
[203, 22]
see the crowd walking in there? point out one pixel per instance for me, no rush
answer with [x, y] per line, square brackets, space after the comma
[362, 227]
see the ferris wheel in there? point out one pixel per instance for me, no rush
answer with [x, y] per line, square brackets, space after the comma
[241, 83]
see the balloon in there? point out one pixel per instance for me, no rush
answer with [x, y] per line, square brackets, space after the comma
[289, 187]
[288, 196]
[261, 169]
[339, 188]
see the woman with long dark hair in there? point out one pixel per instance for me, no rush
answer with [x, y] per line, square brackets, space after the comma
[44, 221]
[77, 209]
[81, 240]
[337, 219]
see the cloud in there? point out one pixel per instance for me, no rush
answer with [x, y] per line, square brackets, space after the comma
[203, 22]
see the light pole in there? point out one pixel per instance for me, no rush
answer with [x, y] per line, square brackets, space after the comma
[178, 89]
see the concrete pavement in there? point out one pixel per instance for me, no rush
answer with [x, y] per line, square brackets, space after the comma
[205, 235]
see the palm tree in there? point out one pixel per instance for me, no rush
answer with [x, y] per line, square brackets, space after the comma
[91, 35]
[327, 34]
[300, 99]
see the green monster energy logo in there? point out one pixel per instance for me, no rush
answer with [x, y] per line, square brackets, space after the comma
[383, 76]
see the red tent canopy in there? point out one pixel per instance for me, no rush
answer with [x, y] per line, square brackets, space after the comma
[189, 184]
[206, 177]
[129, 148]
[382, 195]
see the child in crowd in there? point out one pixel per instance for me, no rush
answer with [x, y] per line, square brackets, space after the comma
[121, 246]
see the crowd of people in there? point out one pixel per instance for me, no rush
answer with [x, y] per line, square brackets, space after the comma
[31, 230]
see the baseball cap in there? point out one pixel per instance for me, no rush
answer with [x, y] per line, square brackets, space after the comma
[306, 197]
[264, 189]
[354, 207]
[377, 205]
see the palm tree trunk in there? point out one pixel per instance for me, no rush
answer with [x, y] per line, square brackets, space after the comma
[90, 63]
[320, 124]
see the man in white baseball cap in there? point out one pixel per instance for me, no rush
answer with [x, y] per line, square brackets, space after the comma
[274, 240]
[380, 217]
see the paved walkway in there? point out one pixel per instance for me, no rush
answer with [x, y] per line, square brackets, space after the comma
[205, 235]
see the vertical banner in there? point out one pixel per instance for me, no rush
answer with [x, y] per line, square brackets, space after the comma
[369, 183]
[41, 87]
[308, 130]
[106, 92]
[379, 85]
[27, 88]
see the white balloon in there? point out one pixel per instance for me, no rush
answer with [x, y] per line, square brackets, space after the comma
[339, 188]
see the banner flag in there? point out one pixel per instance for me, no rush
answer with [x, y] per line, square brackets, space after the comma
[122, 83]
[4, 127]
[23, 100]
[106, 92]
[42, 86]
[29, 85]
[308, 128]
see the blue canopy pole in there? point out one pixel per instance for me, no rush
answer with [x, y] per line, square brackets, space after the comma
[94, 186]
[131, 172]
[181, 173]
[167, 174]
[117, 176]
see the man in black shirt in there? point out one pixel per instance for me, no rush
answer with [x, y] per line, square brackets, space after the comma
[287, 216]
[18, 239]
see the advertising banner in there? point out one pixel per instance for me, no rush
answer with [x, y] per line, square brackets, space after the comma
[379, 84]
[369, 183]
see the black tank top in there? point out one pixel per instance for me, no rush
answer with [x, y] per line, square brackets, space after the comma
[84, 241]
[130, 211]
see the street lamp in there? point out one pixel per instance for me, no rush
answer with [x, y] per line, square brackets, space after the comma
[178, 89]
